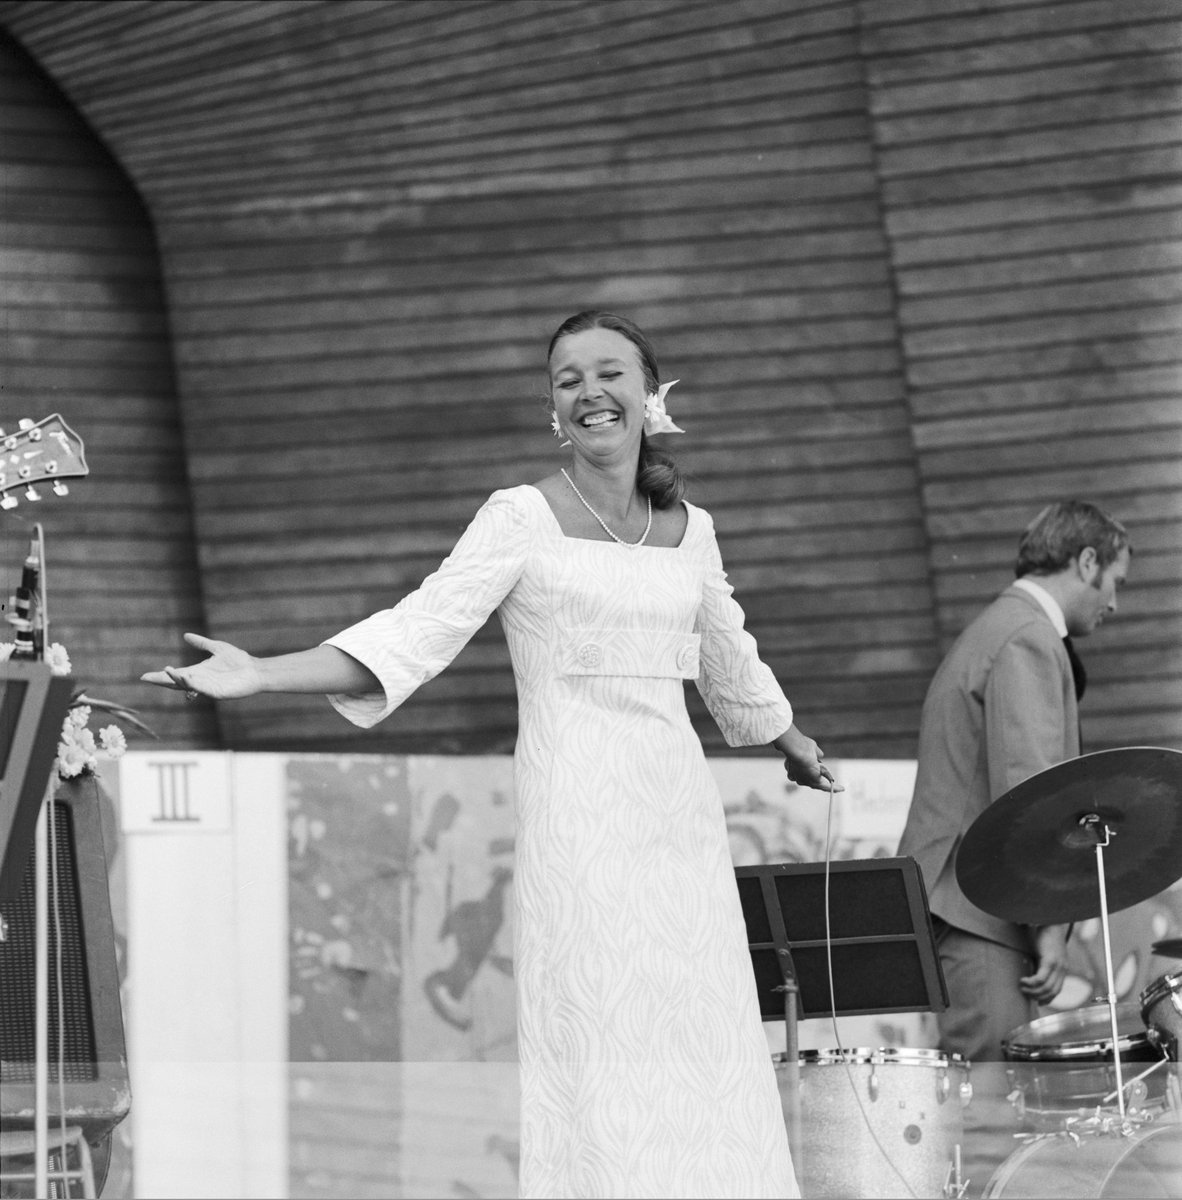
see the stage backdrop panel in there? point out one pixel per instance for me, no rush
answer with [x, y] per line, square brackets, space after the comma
[375, 952]
[206, 1016]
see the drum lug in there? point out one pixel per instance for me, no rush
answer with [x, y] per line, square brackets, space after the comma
[872, 1083]
[1018, 1099]
[943, 1087]
[966, 1093]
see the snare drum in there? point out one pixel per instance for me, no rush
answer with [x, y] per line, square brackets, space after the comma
[1062, 1064]
[913, 1101]
[1161, 1010]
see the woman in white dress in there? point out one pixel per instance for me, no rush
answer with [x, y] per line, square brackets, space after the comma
[645, 1071]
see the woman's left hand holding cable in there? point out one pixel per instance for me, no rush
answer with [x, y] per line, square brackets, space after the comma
[803, 760]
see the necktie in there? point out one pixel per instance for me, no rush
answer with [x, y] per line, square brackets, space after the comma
[1077, 669]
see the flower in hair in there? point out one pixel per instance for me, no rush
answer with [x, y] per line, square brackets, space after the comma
[656, 419]
[557, 429]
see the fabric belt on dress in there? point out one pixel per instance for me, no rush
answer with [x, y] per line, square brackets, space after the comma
[648, 653]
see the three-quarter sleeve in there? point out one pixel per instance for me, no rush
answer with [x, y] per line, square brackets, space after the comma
[406, 645]
[739, 690]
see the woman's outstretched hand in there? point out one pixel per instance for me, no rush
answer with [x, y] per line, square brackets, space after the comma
[802, 761]
[229, 673]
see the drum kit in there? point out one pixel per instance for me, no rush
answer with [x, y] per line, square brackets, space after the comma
[1096, 1090]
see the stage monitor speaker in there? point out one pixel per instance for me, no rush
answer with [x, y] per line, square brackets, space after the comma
[33, 705]
[97, 1095]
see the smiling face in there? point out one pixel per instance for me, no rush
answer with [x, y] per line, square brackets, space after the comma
[598, 389]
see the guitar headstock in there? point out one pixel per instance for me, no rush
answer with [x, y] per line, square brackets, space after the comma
[36, 452]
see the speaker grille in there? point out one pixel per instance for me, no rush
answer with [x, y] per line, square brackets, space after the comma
[17, 984]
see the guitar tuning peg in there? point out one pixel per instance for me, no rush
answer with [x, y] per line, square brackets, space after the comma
[26, 423]
[60, 489]
[9, 502]
[31, 493]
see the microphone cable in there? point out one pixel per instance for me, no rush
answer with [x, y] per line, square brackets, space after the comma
[833, 1004]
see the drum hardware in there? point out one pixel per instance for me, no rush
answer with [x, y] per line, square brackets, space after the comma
[1167, 948]
[955, 1185]
[1025, 858]
[1136, 1087]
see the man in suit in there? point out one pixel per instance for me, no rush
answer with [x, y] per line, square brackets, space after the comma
[1002, 707]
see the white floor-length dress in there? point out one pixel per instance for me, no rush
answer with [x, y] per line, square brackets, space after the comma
[645, 1071]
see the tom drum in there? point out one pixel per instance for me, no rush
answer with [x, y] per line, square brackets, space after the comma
[1161, 1010]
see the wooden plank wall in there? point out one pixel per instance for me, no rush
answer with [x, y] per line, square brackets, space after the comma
[1031, 165]
[373, 215]
[85, 334]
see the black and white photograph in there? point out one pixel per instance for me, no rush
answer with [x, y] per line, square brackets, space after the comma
[592, 599]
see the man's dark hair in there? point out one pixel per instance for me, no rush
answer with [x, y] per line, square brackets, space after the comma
[1062, 531]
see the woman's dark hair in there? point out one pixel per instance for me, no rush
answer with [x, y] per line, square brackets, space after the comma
[657, 475]
[1063, 531]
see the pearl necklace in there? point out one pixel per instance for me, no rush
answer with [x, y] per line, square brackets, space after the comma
[626, 545]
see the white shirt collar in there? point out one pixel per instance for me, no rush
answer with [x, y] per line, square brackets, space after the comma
[1049, 604]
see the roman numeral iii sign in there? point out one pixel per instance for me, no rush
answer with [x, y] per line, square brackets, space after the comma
[175, 793]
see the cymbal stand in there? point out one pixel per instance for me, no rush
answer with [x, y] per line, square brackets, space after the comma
[1094, 822]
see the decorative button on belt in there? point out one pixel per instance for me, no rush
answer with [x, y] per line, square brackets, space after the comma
[687, 658]
[589, 654]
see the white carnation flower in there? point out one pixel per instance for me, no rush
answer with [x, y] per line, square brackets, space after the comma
[76, 718]
[113, 742]
[71, 759]
[57, 659]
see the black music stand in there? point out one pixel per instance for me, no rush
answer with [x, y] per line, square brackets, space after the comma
[33, 705]
[883, 946]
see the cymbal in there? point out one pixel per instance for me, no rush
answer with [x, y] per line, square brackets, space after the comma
[1029, 858]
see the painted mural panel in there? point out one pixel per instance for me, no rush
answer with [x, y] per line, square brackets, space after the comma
[459, 1000]
[460, 1090]
[348, 856]
[348, 821]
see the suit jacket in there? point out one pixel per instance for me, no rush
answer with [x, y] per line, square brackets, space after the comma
[1001, 708]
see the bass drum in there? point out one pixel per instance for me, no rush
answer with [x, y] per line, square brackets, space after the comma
[1147, 1163]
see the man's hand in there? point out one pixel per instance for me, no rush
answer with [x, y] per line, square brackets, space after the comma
[1051, 944]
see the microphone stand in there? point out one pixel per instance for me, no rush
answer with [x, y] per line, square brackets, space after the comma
[41, 928]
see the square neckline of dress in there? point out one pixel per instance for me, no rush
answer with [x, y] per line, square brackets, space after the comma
[566, 537]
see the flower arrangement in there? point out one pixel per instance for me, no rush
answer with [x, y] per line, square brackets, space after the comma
[78, 751]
